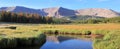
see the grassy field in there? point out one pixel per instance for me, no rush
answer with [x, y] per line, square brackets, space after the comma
[74, 28]
[12, 38]
[110, 40]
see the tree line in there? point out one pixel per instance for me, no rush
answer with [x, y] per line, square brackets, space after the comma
[98, 20]
[23, 18]
[30, 18]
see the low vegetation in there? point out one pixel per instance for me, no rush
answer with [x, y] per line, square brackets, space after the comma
[95, 20]
[12, 38]
[109, 41]
[26, 33]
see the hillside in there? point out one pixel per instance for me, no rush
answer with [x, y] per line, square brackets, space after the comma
[59, 12]
[18, 9]
[64, 12]
[108, 13]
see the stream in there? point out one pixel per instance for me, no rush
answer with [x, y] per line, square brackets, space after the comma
[67, 42]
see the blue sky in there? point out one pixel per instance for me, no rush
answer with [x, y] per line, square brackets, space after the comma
[71, 4]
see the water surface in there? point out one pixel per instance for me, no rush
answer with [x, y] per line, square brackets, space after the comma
[65, 42]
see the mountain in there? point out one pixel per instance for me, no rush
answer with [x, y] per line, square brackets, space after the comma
[64, 12]
[108, 13]
[18, 9]
[59, 12]
[55, 11]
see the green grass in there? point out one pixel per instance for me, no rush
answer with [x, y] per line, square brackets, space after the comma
[10, 38]
[110, 40]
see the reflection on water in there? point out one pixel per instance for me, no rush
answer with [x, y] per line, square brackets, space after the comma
[65, 42]
[62, 42]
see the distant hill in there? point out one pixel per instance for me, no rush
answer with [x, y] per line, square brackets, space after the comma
[64, 12]
[108, 13]
[18, 9]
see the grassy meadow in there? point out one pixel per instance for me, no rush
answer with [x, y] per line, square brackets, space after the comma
[110, 31]
[12, 38]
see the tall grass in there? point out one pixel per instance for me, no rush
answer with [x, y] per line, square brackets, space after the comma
[20, 38]
[111, 33]
[110, 41]
[29, 33]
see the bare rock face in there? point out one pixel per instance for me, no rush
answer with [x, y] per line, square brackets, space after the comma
[108, 13]
[51, 11]
[58, 12]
